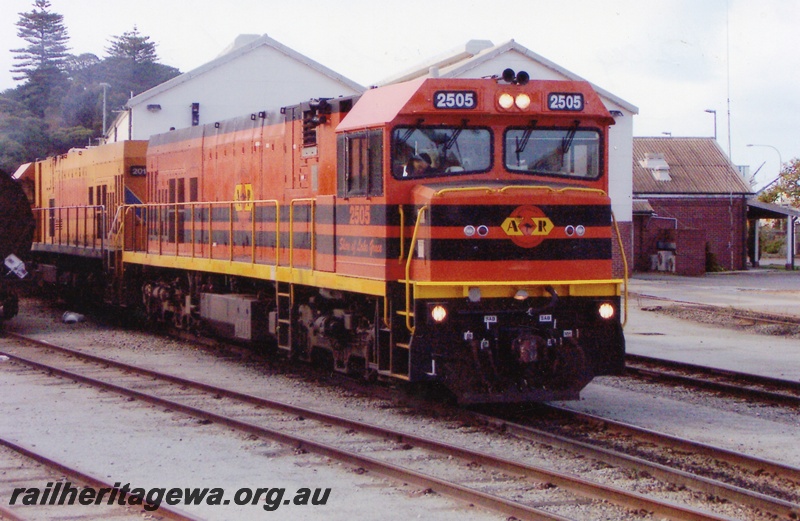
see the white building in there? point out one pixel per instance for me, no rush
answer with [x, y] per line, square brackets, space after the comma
[255, 74]
[481, 58]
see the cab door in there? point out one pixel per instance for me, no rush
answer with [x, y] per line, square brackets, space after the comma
[361, 218]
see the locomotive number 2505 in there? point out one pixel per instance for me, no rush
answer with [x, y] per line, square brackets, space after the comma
[359, 214]
[455, 99]
[570, 101]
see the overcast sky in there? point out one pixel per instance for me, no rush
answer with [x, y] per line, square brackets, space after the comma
[673, 59]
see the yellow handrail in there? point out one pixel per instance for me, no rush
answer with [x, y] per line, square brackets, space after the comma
[624, 267]
[526, 187]
[508, 188]
[486, 189]
[420, 213]
[402, 233]
[209, 206]
[582, 189]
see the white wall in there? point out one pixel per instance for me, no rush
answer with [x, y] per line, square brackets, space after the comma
[263, 79]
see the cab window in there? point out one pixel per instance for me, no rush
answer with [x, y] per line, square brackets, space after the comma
[360, 164]
[563, 152]
[440, 151]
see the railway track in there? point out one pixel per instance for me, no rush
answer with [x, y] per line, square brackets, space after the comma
[739, 317]
[24, 468]
[729, 475]
[517, 489]
[742, 385]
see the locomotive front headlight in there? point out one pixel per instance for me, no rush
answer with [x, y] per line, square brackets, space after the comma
[606, 310]
[438, 313]
[523, 101]
[506, 100]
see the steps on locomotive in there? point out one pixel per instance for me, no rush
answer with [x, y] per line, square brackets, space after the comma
[283, 318]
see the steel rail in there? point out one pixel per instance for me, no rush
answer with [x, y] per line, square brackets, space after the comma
[776, 506]
[705, 381]
[740, 314]
[733, 458]
[82, 477]
[575, 484]
[10, 515]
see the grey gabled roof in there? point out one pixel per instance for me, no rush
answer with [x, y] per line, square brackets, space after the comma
[696, 165]
[477, 52]
[234, 53]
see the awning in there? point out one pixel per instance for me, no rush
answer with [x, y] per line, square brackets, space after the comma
[642, 207]
[760, 210]
[22, 170]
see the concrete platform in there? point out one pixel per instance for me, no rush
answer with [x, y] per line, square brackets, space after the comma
[772, 291]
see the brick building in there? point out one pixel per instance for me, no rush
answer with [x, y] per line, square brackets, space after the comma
[689, 207]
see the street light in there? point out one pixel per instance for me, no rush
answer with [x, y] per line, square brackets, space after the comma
[789, 219]
[711, 111]
[780, 163]
[668, 134]
[105, 86]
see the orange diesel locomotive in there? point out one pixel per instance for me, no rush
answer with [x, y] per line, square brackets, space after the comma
[77, 198]
[455, 231]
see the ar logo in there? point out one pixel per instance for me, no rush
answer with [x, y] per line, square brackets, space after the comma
[242, 194]
[527, 226]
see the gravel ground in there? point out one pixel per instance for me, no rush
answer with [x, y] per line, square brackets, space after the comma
[132, 442]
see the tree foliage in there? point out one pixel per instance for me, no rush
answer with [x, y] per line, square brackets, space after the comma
[133, 46]
[42, 62]
[786, 190]
[59, 104]
[47, 42]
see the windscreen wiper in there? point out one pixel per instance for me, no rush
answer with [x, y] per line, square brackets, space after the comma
[520, 143]
[566, 141]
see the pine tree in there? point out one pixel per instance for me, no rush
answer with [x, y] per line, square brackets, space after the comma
[42, 63]
[133, 46]
[47, 38]
[132, 66]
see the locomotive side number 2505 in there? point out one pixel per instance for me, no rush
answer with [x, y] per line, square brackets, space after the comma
[359, 214]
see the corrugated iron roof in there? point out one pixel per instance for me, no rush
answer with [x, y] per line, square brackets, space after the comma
[642, 207]
[696, 166]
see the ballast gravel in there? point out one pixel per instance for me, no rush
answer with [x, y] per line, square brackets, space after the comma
[135, 443]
